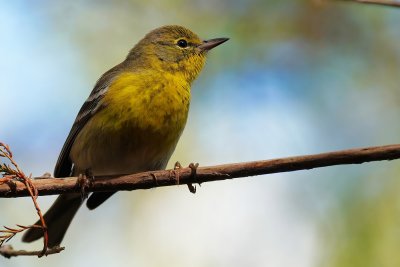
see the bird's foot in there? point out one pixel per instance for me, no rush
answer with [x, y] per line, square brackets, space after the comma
[193, 174]
[175, 171]
[85, 181]
[193, 167]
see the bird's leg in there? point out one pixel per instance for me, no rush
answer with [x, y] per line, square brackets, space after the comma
[85, 181]
[193, 167]
[90, 176]
[177, 166]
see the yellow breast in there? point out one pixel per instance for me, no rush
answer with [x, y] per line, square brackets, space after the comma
[139, 126]
[153, 101]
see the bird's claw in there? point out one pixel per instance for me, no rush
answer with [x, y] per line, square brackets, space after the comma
[177, 166]
[193, 167]
[85, 181]
[175, 171]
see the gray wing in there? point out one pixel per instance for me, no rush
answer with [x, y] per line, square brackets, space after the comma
[91, 106]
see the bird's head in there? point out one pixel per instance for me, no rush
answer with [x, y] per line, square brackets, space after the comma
[173, 49]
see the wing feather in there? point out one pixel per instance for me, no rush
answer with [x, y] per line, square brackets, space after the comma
[92, 105]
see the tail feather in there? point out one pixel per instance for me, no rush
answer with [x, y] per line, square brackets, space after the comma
[57, 218]
[96, 199]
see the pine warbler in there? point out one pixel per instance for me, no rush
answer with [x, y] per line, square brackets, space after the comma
[131, 121]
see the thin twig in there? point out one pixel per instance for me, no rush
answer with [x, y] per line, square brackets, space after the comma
[145, 180]
[377, 2]
[8, 251]
[10, 175]
[9, 233]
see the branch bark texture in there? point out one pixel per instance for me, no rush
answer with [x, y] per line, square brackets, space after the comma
[146, 180]
[389, 3]
[8, 252]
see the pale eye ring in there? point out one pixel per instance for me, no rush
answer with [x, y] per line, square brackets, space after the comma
[182, 43]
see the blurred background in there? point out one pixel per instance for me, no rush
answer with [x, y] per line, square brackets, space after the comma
[297, 77]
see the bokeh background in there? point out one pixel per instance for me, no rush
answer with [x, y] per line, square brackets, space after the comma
[297, 77]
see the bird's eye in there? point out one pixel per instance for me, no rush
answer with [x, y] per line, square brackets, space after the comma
[182, 43]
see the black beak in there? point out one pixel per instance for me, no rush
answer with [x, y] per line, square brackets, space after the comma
[210, 44]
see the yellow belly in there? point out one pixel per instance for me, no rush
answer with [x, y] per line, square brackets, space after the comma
[138, 128]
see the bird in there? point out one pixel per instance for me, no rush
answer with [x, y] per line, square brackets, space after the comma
[132, 120]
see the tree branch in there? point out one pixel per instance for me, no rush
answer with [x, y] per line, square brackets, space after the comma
[8, 251]
[146, 180]
[377, 2]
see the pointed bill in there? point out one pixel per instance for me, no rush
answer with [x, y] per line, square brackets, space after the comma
[211, 43]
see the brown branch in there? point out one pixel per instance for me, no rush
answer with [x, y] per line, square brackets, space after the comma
[11, 174]
[8, 252]
[145, 180]
[377, 2]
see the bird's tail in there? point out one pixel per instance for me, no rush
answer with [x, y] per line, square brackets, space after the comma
[57, 219]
